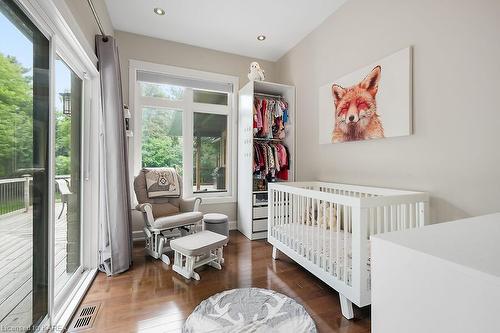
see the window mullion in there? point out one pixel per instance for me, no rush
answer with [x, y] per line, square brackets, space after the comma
[188, 134]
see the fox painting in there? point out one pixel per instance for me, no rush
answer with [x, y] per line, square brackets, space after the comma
[356, 115]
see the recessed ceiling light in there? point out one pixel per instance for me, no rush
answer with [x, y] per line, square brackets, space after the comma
[261, 37]
[159, 11]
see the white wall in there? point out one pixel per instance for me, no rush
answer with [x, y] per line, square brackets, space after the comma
[454, 151]
[137, 47]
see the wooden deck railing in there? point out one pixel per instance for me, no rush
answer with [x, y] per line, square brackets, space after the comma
[14, 195]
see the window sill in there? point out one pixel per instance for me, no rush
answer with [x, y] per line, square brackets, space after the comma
[215, 199]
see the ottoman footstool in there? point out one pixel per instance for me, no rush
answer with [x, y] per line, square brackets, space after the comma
[195, 250]
[217, 223]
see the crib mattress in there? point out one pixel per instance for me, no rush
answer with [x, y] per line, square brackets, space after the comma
[319, 245]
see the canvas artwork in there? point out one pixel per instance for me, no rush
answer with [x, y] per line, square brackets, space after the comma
[371, 103]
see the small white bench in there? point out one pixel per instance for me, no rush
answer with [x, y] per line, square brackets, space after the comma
[195, 250]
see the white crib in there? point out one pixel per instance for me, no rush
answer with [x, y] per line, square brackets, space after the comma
[326, 228]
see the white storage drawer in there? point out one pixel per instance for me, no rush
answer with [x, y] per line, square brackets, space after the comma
[259, 225]
[260, 212]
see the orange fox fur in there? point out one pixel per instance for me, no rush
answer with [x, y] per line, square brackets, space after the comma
[356, 115]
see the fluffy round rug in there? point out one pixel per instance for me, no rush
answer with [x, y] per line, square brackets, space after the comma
[249, 310]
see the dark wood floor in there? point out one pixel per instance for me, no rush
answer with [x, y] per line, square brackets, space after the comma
[150, 297]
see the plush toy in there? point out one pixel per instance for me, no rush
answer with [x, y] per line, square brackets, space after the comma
[255, 73]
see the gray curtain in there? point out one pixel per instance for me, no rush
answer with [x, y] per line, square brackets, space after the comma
[115, 215]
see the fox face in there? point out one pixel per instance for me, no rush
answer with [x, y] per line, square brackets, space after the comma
[356, 115]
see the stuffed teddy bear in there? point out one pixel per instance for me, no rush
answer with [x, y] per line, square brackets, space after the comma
[255, 73]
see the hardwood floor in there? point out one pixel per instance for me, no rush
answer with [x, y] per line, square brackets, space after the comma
[150, 297]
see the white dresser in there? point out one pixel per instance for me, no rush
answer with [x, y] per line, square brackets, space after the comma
[439, 278]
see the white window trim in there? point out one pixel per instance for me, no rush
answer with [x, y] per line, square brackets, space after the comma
[51, 18]
[135, 109]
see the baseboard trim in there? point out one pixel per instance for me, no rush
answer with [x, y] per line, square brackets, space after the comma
[233, 225]
[138, 235]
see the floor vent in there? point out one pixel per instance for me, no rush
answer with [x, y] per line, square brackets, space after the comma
[85, 318]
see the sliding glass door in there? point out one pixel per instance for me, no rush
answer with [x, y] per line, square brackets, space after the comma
[24, 171]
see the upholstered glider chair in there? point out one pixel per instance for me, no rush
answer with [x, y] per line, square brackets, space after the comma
[166, 214]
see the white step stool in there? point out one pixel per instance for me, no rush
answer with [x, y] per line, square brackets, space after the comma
[195, 250]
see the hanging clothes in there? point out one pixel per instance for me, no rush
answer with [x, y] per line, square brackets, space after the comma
[271, 160]
[270, 117]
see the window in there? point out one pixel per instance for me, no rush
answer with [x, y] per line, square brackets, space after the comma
[184, 119]
[209, 97]
[165, 91]
[68, 114]
[209, 152]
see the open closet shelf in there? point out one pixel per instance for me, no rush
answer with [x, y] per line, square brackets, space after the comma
[252, 200]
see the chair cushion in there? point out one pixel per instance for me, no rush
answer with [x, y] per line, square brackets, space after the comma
[214, 218]
[199, 243]
[164, 209]
[177, 220]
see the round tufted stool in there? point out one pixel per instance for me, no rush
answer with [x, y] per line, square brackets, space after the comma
[216, 223]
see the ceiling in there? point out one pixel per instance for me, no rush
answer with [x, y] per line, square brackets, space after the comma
[225, 25]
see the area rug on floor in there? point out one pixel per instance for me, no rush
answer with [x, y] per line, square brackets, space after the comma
[249, 310]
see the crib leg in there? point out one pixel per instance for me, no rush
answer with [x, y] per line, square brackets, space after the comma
[346, 307]
[275, 252]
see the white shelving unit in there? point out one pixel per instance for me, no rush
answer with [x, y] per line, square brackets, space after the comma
[252, 212]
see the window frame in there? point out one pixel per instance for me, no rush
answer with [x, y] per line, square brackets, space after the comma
[189, 107]
[74, 65]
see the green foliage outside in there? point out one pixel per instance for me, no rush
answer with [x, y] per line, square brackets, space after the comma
[63, 143]
[16, 122]
[159, 147]
[172, 93]
[16, 117]
[210, 150]
[7, 206]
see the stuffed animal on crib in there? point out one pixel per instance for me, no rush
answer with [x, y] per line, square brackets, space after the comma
[316, 215]
[255, 73]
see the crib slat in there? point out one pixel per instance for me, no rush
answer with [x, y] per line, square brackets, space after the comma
[303, 221]
[344, 253]
[340, 209]
[324, 237]
[311, 230]
[370, 226]
[379, 219]
[308, 217]
[285, 218]
[270, 218]
[318, 235]
[331, 238]
[393, 218]
[386, 219]
[293, 224]
[282, 214]
[280, 195]
[407, 217]
[412, 215]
